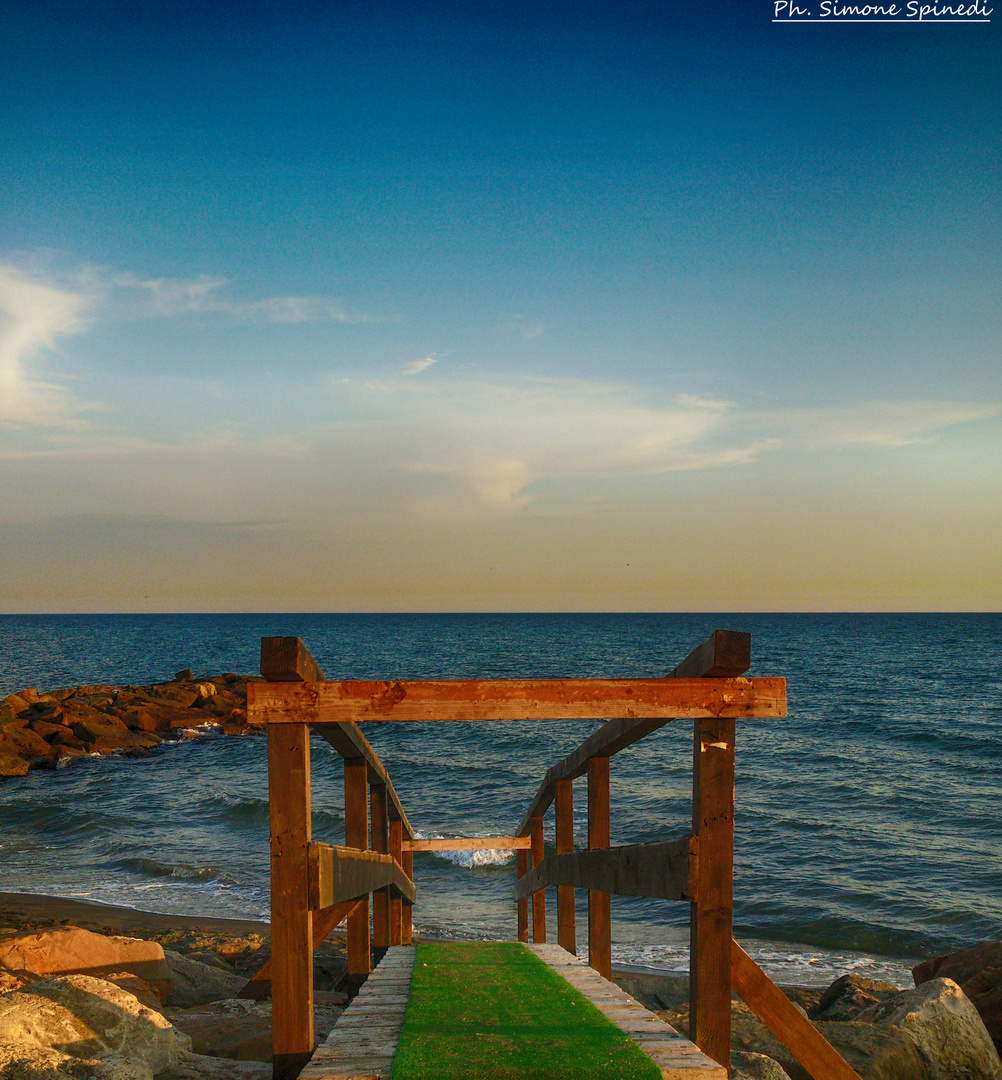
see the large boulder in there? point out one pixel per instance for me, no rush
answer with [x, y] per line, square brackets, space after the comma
[746, 1066]
[194, 983]
[978, 972]
[197, 1067]
[72, 950]
[12, 764]
[89, 1018]
[241, 1029]
[947, 1029]
[848, 996]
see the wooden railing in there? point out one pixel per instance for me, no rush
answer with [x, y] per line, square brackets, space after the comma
[697, 867]
[316, 886]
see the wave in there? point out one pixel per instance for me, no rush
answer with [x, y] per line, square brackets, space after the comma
[469, 860]
[152, 868]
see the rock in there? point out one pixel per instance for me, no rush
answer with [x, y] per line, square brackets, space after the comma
[16, 703]
[90, 1018]
[241, 1029]
[42, 1063]
[21, 740]
[184, 676]
[73, 950]
[204, 690]
[946, 1027]
[194, 983]
[61, 756]
[177, 697]
[140, 717]
[46, 729]
[848, 996]
[756, 1067]
[108, 733]
[12, 764]
[978, 971]
[198, 1067]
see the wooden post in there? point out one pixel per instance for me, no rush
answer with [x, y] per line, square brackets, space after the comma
[521, 869]
[291, 920]
[710, 927]
[538, 898]
[407, 914]
[396, 902]
[356, 835]
[564, 818]
[599, 903]
[380, 843]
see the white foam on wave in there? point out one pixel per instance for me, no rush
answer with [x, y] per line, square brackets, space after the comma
[470, 860]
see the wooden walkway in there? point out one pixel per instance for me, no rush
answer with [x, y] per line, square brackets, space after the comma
[364, 1041]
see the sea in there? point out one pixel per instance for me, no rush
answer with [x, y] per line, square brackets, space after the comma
[868, 821]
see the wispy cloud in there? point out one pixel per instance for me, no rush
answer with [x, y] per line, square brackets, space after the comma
[174, 297]
[34, 316]
[415, 367]
[877, 423]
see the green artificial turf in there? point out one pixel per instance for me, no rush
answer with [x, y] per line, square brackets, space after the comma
[496, 1010]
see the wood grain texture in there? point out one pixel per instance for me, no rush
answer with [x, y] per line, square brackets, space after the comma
[513, 699]
[564, 830]
[710, 923]
[349, 874]
[539, 896]
[469, 843]
[287, 659]
[724, 654]
[291, 921]
[396, 902]
[599, 838]
[379, 841]
[522, 904]
[780, 1016]
[662, 869]
[407, 914]
[356, 835]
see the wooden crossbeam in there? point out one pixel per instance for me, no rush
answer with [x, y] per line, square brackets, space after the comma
[664, 869]
[470, 843]
[724, 654]
[258, 987]
[514, 699]
[781, 1017]
[337, 874]
[287, 660]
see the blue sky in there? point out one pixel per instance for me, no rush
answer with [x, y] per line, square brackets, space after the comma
[432, 307]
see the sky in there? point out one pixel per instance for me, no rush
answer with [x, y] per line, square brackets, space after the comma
[507, 306]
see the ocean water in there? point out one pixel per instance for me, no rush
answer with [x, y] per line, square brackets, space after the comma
[868, 822]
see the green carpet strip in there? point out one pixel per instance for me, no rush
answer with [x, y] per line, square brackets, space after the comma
[495, 1010]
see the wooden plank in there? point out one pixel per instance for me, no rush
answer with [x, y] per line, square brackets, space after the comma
[356, 835]
[674, 1055]
[513, 699]
[539, 895]
[364, 1040]
[469, 843]
[396, 903]
[286, 659]
[599, 838]
[407, 914]
[664, 869]
[710, 930]
[564, 819]
[522, 904]
[379, 841]
[258, 987]
[349, 874]
[291, 921]
[724, 653]
[780, 1016]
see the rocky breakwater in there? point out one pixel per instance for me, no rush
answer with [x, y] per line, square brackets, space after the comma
[49, 729]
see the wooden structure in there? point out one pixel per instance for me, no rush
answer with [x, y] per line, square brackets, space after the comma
[314, 886]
